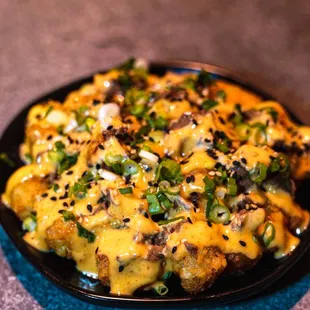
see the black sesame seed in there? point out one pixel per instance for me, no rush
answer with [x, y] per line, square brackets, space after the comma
[172, 230]
[222, 120]
[96, 101]
[61, 211]
[189, 220]
[242, 243]
[96, 250]
[225, 237]
[161, 256]
[84, 173]
[236, 163]
[98, 166]
[44, 195]
[193, 178]
[90, 166]
[89, 186]
[209, 224]
[70, 140]
[110, 127]
[101, 147]
[88, 142]
[126, 220]
[50, 137]
[188, 179]
[174, 249]
[244, 160]
[195, 122]
[67, 186]
[72, 203]
[69, 172]
[65, 204]
[207, 140]
[90, 207]
[146, 215]
[120, 268]
[53, 198]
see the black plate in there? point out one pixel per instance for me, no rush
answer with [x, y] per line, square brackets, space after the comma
[62, 272]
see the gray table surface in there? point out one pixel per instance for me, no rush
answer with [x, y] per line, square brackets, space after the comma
[44, 44]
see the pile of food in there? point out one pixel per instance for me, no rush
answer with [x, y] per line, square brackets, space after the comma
[137, 177]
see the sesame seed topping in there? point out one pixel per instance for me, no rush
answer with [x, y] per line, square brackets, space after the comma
[174, 249]
[53, 198]
[236, 163]
[189, 220]
[209, 224]
[244, 160]
[101, 147]
[120, 268]
[188, 179]
[44, 195]
[126, 220]
[65, 204]
[69, 172]
[89, 207]
[242, 243]
[72, 203]
[67, 187]
[225, 237]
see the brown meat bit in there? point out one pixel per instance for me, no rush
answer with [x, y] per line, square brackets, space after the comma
[155, 254]
[103, 269]
[238, 263]
[58, 237]
[198, 272]
[183, 121]
[295, 222]
[24, 195]
[191, 248]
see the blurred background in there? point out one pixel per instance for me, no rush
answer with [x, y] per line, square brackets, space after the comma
[45, 44]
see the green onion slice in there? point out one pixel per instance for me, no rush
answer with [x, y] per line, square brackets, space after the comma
[125, 190]
[154, 205]
[30, 223]
[259, 173]
[161, 289]
[165, 222]
[219, 214]
[232, 186]
[243, 131]
[268, 234]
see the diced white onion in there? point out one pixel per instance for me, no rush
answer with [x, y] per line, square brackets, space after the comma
[107, 112]
[107, 175]
[141, 63]
[72, 124]
[56, 117]
[149, 156]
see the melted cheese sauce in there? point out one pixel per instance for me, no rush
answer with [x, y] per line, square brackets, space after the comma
[123, 229]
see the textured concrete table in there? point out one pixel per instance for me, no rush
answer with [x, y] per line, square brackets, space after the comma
[45, 44]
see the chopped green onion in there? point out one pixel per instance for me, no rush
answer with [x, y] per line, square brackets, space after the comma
[164, 201]
[260, 135]
[68, 216]
[243, 131]
[259, 173]
[222, 146]
[79, 190]
[238, 117]
[130, 167]
[5, 158]
[30, 223]
[169, 170]
[232, 186]
[48, 111]
[273, 113]
[204, 79]
[209, 104]
[171, 220]
[55, 187]
[173, 190]
[219, 214]
[167, 275]
[161, 289]
[154, 205]
[127, 65]
[28, 158]
[83, 232]
[268, 234]
[125, 190]
[221, 94]
[111, 159]
[189, 83]
[210, 185]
